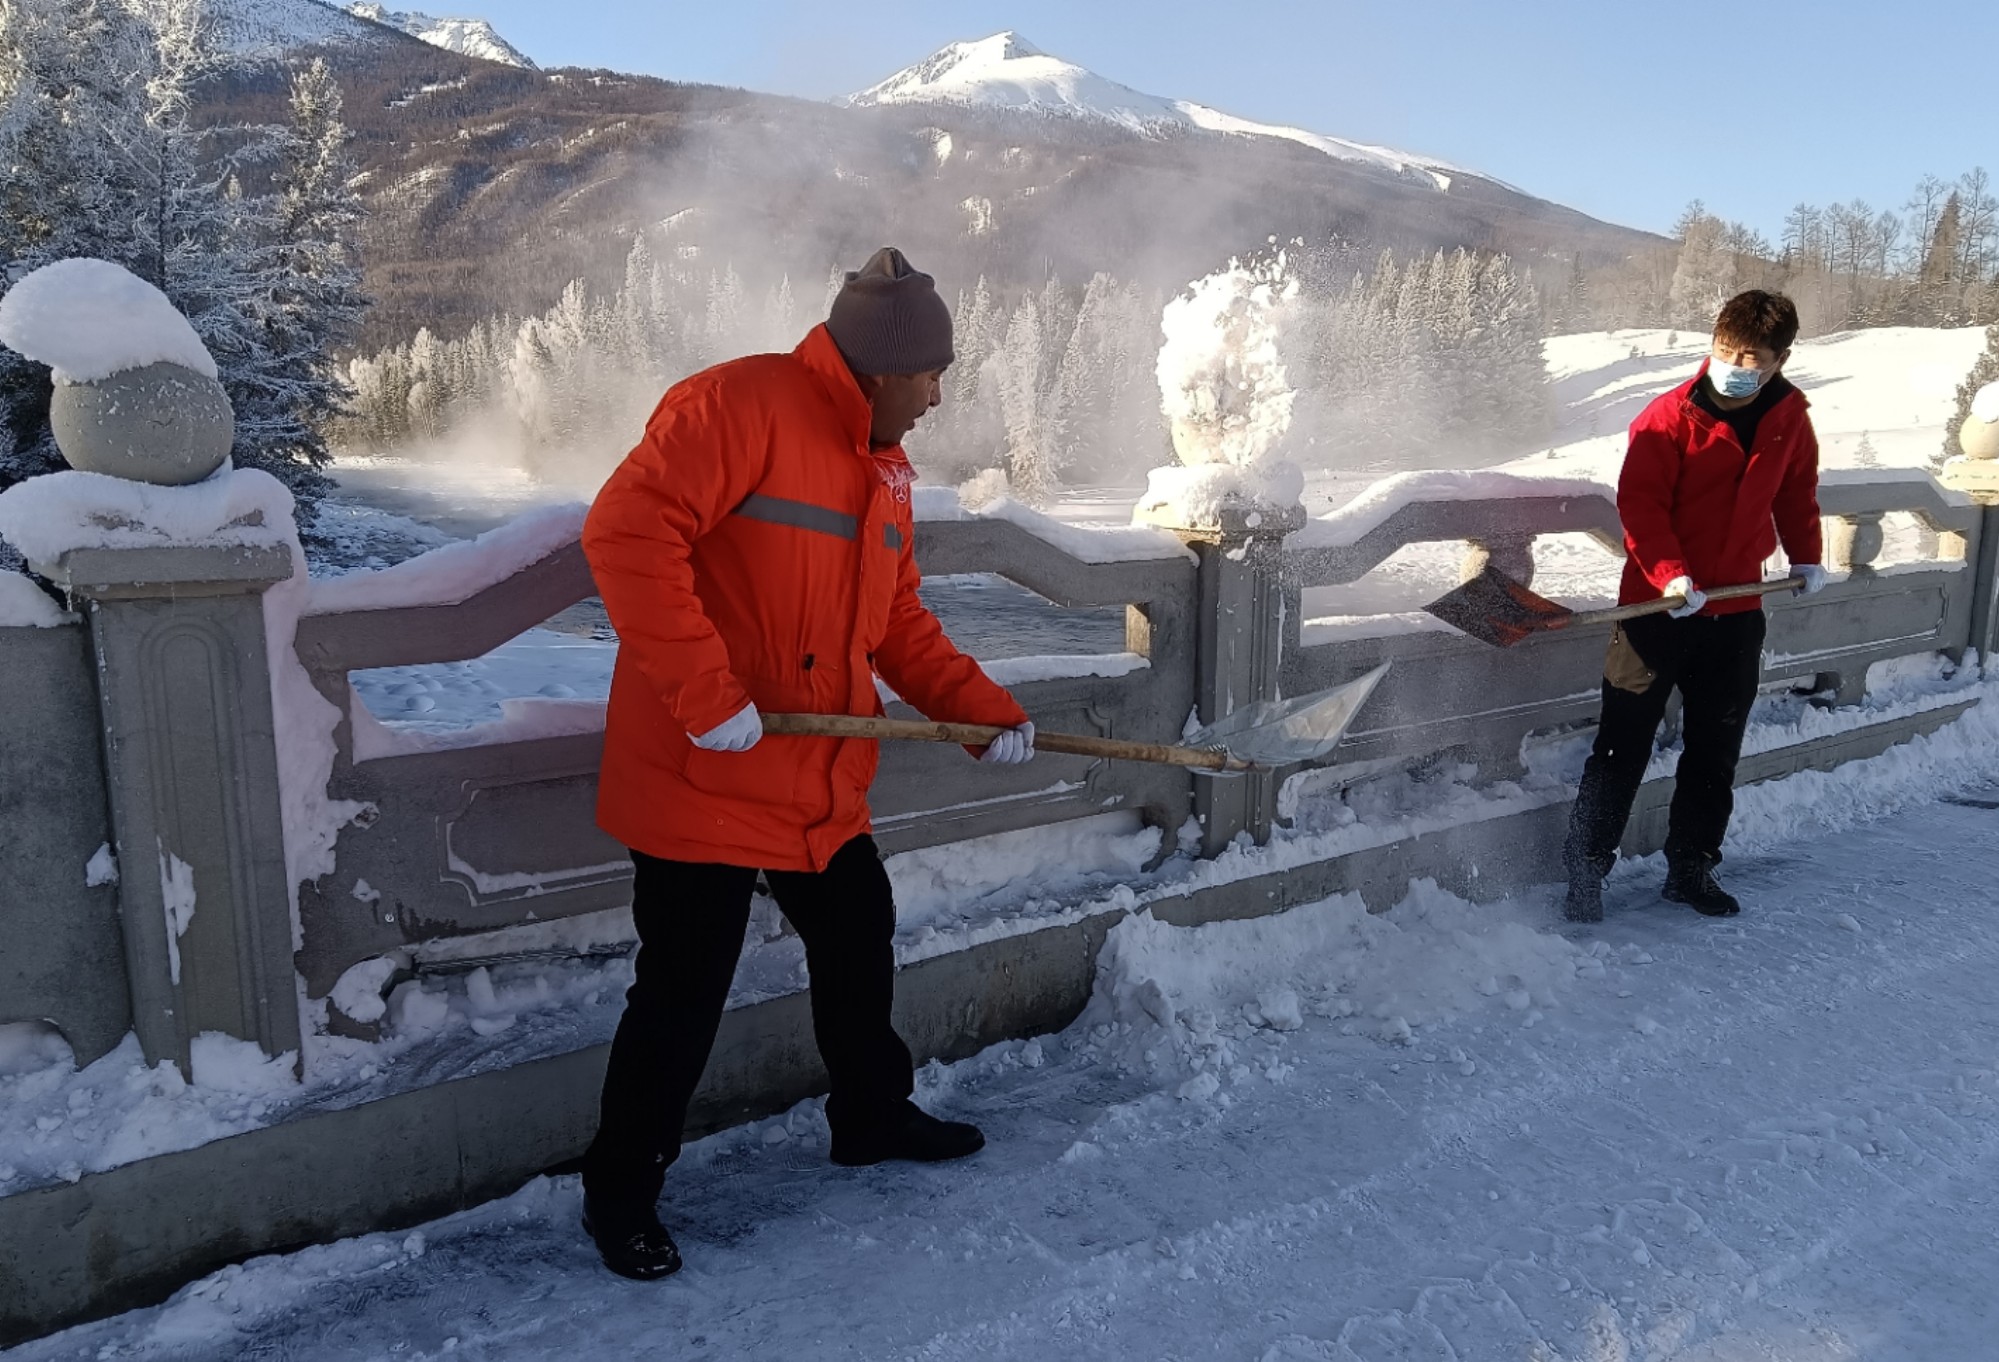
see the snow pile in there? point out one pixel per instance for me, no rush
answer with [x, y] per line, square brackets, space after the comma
[1954, 759]
[1985, 404]
[46, 517]
[225, 1064]
[1183, 999]
[57, 1123]
[89, 319]
[1226, 394]
[23, 605]
[942, 884]
[454, 572]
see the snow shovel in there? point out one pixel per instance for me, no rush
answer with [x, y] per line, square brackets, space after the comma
[1260, 737]
[1495, 609]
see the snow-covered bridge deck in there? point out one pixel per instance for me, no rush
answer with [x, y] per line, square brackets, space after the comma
[1450, 1133]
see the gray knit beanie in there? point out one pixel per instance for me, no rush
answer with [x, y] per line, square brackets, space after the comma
[888, 319]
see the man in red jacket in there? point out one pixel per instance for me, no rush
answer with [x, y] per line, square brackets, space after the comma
[755, 554]
[1717, 472]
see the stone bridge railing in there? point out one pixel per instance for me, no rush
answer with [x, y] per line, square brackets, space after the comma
[1446, 691]
[156, 730]
[488, 834]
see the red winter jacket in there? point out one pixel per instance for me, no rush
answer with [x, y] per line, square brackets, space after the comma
[750, 549]
[1694, 505]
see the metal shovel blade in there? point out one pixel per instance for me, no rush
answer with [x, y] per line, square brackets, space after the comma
[1273, 733]
[1495, 609]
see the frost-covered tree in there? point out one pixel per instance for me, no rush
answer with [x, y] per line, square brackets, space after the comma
[1705, 275]
[1016, 370]
[312, 296]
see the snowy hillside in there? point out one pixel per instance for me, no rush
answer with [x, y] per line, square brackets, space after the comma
[467, 37]
[1880, 397]
[1006, 72]
[260, 28]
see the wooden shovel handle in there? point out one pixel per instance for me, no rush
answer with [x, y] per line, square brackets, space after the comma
[978, 735]
[1665, 603]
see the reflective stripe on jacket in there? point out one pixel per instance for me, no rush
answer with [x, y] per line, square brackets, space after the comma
[749, 549]
[1694, 504]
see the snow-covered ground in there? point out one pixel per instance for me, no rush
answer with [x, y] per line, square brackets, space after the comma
[1443, 1133]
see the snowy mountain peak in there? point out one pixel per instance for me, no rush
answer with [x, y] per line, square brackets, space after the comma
[1007, 72]
[467, 37]
[958, 63]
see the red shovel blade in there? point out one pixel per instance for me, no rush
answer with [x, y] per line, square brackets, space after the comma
[1495, 609]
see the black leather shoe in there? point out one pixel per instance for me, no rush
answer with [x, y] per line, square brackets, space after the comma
[919, 1137]
[1585, 901]
[631, 1240]
[1690, 880]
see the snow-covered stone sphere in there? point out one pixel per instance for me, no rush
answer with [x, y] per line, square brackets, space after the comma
[159, 423]
[136, 392]
[1979, 435]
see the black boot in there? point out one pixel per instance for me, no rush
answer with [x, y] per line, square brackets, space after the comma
[630, 1239]
[1585, 901]
[1690, 880]
[916, 1136]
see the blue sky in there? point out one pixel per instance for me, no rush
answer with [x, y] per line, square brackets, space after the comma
[1621, 109]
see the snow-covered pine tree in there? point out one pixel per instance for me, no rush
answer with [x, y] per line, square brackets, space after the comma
[64, 70]
[310, 295]
[1983, 371]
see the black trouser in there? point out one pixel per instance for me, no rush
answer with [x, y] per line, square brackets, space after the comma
[1716, 662]
[691, 919]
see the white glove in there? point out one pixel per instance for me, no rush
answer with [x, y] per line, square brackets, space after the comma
[1814, 575]
[737, 734]
[1684, 586]
[1012, 747]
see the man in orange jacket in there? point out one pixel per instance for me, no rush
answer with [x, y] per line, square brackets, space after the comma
[755, 553]
[1716, 473]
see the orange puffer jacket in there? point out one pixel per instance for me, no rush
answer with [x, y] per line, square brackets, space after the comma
[751, 549]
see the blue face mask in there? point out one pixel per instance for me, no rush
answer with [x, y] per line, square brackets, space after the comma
[1733, 382]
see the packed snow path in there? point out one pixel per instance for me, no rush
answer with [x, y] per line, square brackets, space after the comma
[1771, 1137]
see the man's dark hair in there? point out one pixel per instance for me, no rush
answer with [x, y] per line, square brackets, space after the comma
[1758, 320]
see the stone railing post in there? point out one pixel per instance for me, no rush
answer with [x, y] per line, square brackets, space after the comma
[183, 692]
[1855, 543]
[190, 755]
[1977, 474]
[1242, 621]
[1853, 546]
